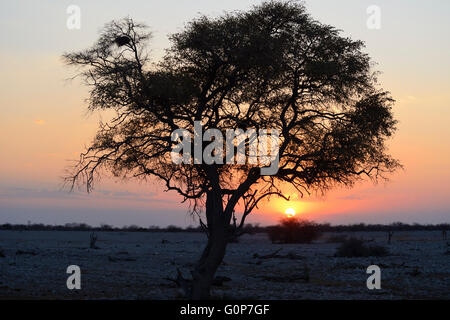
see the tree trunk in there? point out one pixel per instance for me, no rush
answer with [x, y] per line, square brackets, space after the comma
[204, 272]
[212, 256]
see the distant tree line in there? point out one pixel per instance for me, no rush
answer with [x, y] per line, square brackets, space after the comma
[102, 227]
[248, 228]
[327, 227]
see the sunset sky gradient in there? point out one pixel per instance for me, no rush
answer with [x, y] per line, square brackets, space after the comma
[44, 122]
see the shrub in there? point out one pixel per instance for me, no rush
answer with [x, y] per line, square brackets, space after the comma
[106, 227]
[356, 248]
[154, 228]
[292, 230]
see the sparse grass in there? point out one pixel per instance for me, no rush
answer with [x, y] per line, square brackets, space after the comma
[356, 248]
[292, 230]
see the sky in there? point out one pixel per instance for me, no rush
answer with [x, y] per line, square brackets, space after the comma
[44, 123]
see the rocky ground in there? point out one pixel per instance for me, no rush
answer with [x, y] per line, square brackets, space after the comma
[135, 265]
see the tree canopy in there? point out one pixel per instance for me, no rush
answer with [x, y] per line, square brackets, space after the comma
[271, 67]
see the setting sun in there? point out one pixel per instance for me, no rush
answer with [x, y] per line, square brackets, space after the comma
[289, 212]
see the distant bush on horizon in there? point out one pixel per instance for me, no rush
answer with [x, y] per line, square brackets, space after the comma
[292, 230]
[74, 226]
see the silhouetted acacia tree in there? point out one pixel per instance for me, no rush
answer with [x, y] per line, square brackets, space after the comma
[270, 67]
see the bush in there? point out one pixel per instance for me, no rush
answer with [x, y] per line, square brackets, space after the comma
[356, 248]
[106, 227]
[292, 230]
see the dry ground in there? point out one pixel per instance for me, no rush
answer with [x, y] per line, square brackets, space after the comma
[134, 265]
